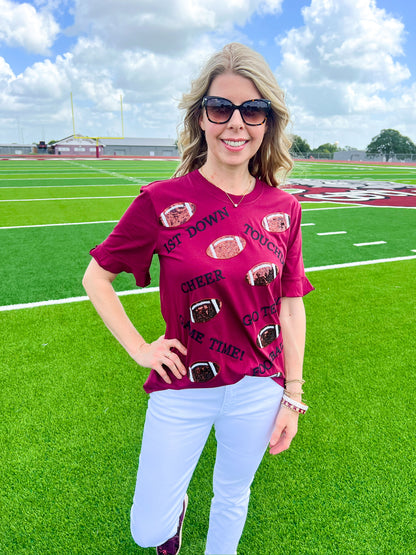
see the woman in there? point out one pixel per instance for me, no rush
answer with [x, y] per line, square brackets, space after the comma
[231, 287]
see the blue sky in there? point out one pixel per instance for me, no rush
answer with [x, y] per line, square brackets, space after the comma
[348, 67]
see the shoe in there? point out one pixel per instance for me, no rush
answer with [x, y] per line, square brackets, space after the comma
[173, 544]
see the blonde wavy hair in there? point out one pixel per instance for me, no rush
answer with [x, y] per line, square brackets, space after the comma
[272, 162]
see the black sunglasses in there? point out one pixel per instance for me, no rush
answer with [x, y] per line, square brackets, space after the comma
[220, 110]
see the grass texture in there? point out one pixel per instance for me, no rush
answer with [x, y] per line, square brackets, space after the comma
[73, 410]
[51, 260]
[72, 404]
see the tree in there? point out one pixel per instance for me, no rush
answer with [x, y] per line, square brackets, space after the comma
[299, 146]
[325, 151]
[390, 142]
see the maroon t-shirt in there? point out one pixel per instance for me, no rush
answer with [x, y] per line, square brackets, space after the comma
[223, 272]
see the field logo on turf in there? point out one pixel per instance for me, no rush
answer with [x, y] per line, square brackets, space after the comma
[370, 193]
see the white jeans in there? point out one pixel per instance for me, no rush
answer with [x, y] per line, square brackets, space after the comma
[177, 426]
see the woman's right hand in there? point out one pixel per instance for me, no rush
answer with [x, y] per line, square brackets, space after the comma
[159, 356]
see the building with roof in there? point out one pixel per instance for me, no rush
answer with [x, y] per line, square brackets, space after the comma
[78, 146]
[131, 146]
[16, 149]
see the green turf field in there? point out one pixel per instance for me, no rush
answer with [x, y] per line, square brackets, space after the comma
[73, 407]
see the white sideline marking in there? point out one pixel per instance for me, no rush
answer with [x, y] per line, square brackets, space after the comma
[65, 198]
[332, 233]
[53, 225]
[73, 299]
[70, 177]
[362, 263]
[303, 225]
[76, 223]
[367, 244]
[333, 207]
[105, 171]
[358, 206]
[73, 223]
[155, 289]
[71, 186]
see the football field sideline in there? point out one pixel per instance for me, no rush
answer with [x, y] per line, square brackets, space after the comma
[147, 290]
[72, 401]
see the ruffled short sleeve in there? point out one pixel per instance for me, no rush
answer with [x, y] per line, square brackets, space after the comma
[294, 281]
[131, 245]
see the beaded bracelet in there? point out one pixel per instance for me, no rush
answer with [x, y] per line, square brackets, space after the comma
[291, 404]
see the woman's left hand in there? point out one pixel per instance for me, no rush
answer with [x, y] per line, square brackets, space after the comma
[284, 431]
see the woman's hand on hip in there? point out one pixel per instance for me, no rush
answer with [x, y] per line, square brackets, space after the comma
[159, 356]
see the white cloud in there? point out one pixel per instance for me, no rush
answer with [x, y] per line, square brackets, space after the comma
[342, 70]
[163, 27]
[344, 41]
[6, 72]
[23, 26]
[146, 51]
[343, 62]
[270, 6]
[44, 81]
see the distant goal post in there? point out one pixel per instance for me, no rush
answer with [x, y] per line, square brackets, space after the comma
[97, 137]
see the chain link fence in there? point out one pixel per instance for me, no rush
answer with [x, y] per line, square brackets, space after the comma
[356, 156]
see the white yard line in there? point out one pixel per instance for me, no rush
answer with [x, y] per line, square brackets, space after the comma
[155, 289]
[77, 178]
[73, 299]
[65, 198]
[64, 224]
[71, 186]
[362, 263]
[332, 208]
[332, 233]
[104, 171]
[77, 223]
[369, 244]
[356, 206]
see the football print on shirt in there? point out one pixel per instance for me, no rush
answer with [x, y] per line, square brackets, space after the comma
[276, 223]
[262, 274]
[267, 335]
[177, 214]
[225, 247]
[205, 310]
[202, 372]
